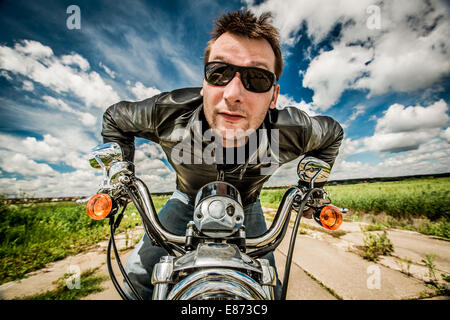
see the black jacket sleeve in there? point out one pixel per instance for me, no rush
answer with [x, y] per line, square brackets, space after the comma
[125, 120]
[152, 118]
[301, 134]
[326, 138]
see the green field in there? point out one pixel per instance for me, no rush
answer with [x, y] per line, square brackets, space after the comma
[32, 235]
[421, 205]
[400, 199]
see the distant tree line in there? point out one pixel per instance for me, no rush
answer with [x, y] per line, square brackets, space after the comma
[82, 199]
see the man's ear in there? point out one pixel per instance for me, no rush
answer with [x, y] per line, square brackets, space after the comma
[276, 92]
[201, 91]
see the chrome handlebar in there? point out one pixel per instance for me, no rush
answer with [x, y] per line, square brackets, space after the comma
[152, 215]
[117, 172]
[252, 243]
[280, 219]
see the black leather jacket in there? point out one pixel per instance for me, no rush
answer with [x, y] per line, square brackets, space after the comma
[158, 117]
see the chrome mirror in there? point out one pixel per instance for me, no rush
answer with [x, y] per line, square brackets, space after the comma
[312, 170]
[118, 168]
[102, 156]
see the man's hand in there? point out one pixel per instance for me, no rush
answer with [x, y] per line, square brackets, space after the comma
[308, 212]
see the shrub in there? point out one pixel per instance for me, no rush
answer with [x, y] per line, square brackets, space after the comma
[376, 245]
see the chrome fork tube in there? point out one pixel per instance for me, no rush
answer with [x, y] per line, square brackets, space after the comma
[162, 277]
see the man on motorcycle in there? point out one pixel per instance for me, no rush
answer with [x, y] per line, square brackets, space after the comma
[243, 63]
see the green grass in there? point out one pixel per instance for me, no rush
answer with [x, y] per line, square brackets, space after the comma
[407, 198]
[376, 245]
[421, 205]
[90, 283]
[400, 199]
[440, 227]
[433, 282]
[33, 235]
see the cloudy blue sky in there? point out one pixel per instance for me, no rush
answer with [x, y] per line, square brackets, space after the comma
[381, 68]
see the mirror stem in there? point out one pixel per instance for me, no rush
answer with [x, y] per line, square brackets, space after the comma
[314, 178]
[105, 171]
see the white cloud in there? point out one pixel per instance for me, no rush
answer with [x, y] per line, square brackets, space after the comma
[27, 85]
[81, 182]
[58, 103]
[50, 148]
[34, 49]
[410, 51]
[360, 109]
[30, 157]
[431, 157]
[398, 141]
[19, 163]
[357, 111]
[37, 62]
[149, 150]
[146, 165]
[77, 183]
[5, 74]
[407, 140]
[152, 170]
[142, 92]
[59, 147]
[319, 15]
[405, 128]
[75, 60]
[349, 147]
[148, 160]
[86, 118]
[284, 175]
[398, 118]
[285, 101]
[21, 156]
[111, 73]
[158, 183]
[446, 134]
[332, 72]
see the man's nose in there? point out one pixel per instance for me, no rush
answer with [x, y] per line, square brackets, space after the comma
[234, 90]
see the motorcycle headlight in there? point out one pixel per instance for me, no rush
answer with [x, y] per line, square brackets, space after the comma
[217, 284]
[218, 188]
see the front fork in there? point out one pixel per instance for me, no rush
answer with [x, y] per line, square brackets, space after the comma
[163, 278]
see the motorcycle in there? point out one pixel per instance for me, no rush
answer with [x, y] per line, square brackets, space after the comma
[214, 259]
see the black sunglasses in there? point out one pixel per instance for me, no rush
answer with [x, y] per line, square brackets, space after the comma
[254, 79]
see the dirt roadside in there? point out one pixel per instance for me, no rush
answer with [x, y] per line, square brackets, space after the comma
[324, 267]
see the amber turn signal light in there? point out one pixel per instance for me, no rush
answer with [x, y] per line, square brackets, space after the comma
[330, 217]
[99, 206]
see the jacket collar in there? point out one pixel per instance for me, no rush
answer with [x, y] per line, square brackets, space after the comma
[196, 130]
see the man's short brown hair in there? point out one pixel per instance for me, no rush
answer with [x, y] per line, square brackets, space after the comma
[245, 23]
